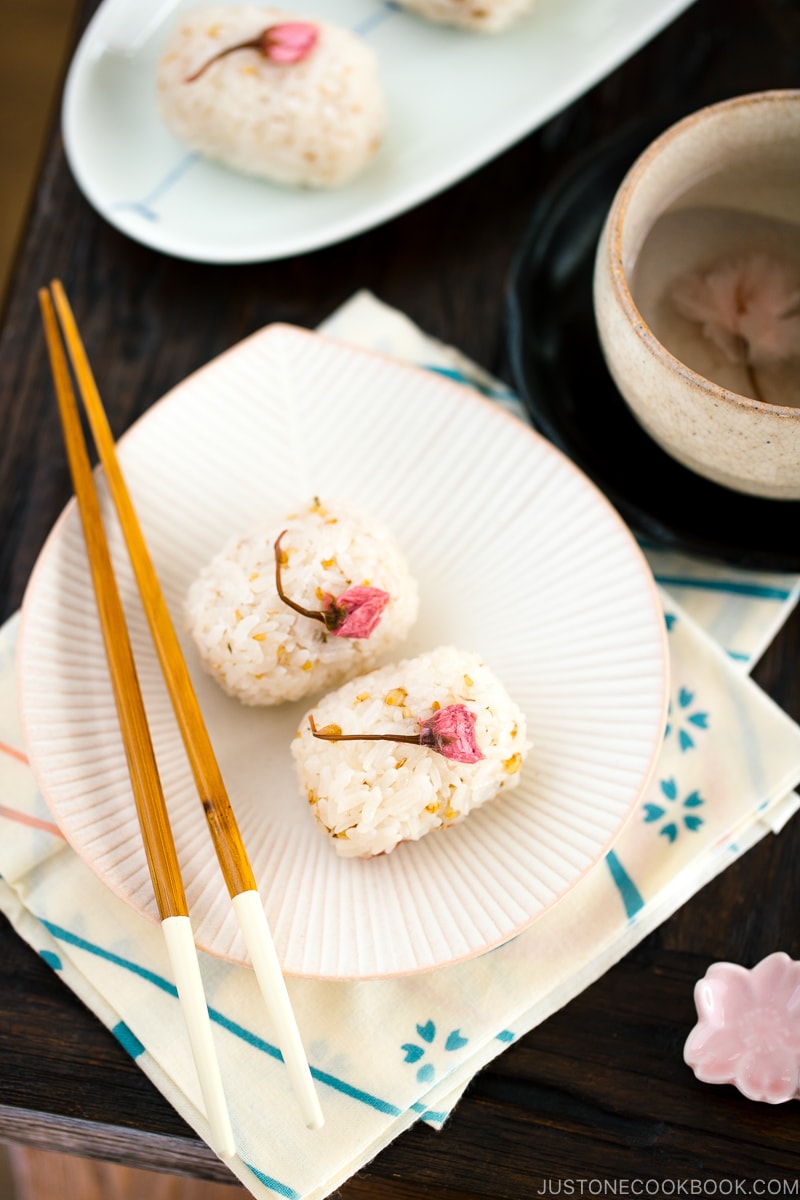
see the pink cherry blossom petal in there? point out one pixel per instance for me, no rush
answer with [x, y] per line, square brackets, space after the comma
[290, 42]
[771, 293]
[748, 306]
[706, 300]
[726, 990]
[713, 1053]
[778, 976]
[767, 1075]
[363, 607]
[451, 732]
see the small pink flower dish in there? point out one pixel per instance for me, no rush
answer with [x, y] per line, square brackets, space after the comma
[748, 1030]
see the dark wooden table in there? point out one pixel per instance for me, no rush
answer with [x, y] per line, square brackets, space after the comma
[599, 1092]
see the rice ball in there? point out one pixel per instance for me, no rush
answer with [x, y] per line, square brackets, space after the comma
[450, 739]
[485, 16]
[295, 102]
[331, 561]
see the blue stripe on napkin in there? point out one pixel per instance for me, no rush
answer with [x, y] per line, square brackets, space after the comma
[731, 587]
[237, 1030]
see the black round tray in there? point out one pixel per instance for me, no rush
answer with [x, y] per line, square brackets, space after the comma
[560, 374]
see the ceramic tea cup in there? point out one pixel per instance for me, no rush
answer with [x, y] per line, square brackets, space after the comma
[697, 292]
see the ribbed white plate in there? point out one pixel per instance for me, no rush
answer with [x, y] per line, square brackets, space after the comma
[518, 557]
[455, 99]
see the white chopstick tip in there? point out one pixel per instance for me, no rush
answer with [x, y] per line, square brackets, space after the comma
[315, 1120]
[188, 981]
[261, 948]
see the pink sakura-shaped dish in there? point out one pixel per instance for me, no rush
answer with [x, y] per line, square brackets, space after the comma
[748, 1029]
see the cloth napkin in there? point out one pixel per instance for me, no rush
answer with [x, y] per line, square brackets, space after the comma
[387, 1053]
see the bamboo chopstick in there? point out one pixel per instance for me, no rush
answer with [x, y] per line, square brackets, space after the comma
[225, 834]
[162, 858]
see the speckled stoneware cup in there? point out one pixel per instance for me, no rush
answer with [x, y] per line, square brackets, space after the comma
[744, 444]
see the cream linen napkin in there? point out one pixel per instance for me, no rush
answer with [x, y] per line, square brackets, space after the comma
[387, 1053]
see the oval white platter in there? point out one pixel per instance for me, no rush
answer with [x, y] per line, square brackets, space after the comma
[519, 558]
[455, 99]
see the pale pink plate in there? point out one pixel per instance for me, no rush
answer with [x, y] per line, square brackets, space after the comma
[518, 557]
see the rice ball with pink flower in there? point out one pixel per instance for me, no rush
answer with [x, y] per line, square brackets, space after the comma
[481, 16]
[302, 604]
[408, 749]
[287, 99]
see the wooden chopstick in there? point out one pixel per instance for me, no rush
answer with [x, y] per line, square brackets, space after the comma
[228, 844]
[151, 808]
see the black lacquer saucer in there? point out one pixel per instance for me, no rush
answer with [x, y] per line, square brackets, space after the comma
[560, 374]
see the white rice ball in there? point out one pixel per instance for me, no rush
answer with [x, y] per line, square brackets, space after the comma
[316, 122]
[259, 649]
[485, 16]
[370, 795]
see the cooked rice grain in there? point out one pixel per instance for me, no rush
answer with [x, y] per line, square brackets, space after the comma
[369, 796]
[263, 652]
[316, 122]
[483, 16]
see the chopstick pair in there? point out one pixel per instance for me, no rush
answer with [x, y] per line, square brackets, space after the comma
[151, 806]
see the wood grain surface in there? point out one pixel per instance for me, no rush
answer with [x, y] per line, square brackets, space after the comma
[41, 1174]
[600, 1090]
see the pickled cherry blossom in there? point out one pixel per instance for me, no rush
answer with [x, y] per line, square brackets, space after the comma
[285, 43]
[748, 306]
[353, 614]
[450, 731]
[356, 612]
